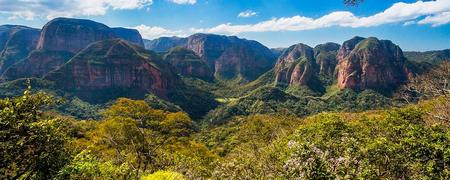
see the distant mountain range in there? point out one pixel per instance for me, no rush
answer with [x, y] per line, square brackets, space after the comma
[98, 63]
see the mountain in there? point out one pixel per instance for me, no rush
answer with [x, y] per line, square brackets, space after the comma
[325, 56]
[131, 35]
[72, 35]
[15, 44]
[228, 57]
[432, 57]
[296, 66]
[188, 63]
[231, 57]
[277, 51]
[59, 40]
[369, 63]
[115, 68]
[37, 64]
[163, 44]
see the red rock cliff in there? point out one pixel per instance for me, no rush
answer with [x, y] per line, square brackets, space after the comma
[370, 64]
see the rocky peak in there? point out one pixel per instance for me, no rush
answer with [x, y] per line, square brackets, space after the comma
[230, 57]
[325, 56]
[72, 35]
[348, 46]
[188, 63]
[295, 66]
[15, 44]
[115, 68]
[131, 35]
[371, 64]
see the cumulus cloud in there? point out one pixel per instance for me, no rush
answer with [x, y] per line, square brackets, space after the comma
[153, 32]
[247, 13]
[184, 1]
[432, 12]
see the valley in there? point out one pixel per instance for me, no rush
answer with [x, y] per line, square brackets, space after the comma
[89, 101]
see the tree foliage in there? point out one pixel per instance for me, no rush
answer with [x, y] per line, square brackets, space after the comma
[32, 142]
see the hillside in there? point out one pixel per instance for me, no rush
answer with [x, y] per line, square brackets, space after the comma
[433, 57]
[82, 100]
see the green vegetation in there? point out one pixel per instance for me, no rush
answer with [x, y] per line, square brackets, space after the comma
[433, 57]
[132, 140]
[391, 144]
[251, 131]
[296, 102]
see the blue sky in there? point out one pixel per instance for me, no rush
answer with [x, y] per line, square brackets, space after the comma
[276, 23]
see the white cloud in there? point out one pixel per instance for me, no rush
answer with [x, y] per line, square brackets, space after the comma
[434, 13]
[184, 1]
[247, 13]
[30, 9]
[153, 32]
[436, 20]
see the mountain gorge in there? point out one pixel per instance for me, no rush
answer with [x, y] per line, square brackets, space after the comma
[81, 100]
[96, 63]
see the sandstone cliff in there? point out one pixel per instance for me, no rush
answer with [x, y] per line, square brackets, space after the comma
[295, 66]
[230, 57]
[72, 35]
[370, 64]
[59, 40]
[131, 35]
[115, 68]
[188, 63]
[15, 44]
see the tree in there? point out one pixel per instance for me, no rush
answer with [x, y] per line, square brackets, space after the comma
[352, 2]
[132, 132]
[32, 142]
[433, 84]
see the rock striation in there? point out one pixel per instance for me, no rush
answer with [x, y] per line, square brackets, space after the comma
[115, 68]
[72, 35]
[369, 63]
[230, 57]
[325, 56]
[15, 44]
[295, 66]
[188, 63]
[131, 35]
[59, 40]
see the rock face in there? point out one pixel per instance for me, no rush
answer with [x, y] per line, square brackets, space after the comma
[131, 35]
[15, 44]
[370, 64]
[295, 66]
[348, 46]
[115, 68]
[37, 64]
[230, 57]
[59, 40]
[325, 56]
[188, 63]
[164, 44]
[72, 35]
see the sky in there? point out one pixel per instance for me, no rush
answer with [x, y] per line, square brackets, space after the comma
[413, 25]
